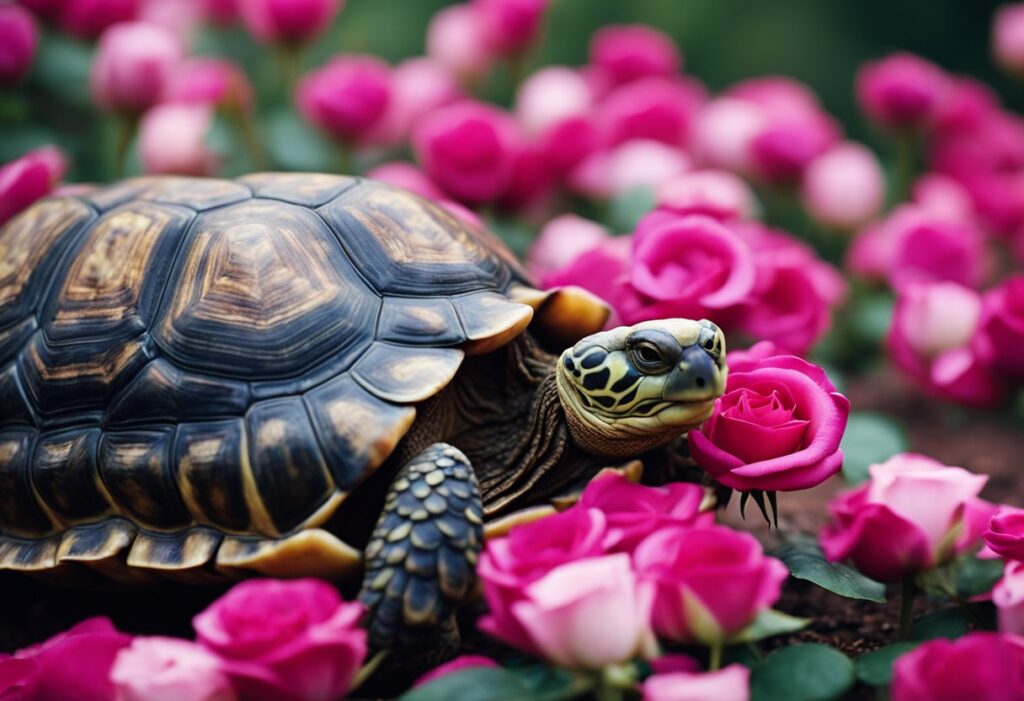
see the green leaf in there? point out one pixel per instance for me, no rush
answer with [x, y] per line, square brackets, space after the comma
[871, 318]
[627, 208]
[808, 672]
[945, 623]
[805, 560]
[974, 576]
[293, 144]
[870, 438]
[769, 624]
[530, 683]
[516, 235]
[875, 668]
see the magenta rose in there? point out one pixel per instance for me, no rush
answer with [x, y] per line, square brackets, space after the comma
[74, 664]
[731, 683]
[287, 21]
[211, 81]
[1008, 596]
[628, 52]
[604, 271]
[29, 178]
[509, 26]
[347, 97]
[714, 193]
[458, 664]
[18, 37]
[710, 583]
[633, 511]
[777, 427]
[901, 91]
[133, 66]
[658, 109]
[407, 176]
[88, 19]
[585, 614]
[912, 515]
[468, 149]
[785, 147]
[285, 640]
[510, 564]
[978, 666]
[418, 86]
[1005, 533]
[1001, 329]
[169, 669]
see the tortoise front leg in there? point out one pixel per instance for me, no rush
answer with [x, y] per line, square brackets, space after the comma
[421, 558]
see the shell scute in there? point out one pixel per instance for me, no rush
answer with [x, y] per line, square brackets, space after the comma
[136, 469]
[65, 474]
[19, 509]
[306, 189]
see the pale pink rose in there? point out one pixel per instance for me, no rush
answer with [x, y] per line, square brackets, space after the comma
[407, 176]
[458, 664]
[285, 640]
[418, 87]
[560, 241]
[844, 188]
[181, 17]
[1008, 596]
[901, 91]
[731, 683]
[711, 583]
[782, 97]
[725, 131]
[133, 66]
[18, 37]
[715, 193]
[347, 97]
[169, 669]
[777, 427]
[212, 81]
[1005, 533]
[29, 178]
[604, 271]
[640, 163]
[551, 96]
[288, 22]
[456, 40]
[943, 197]
[627, 52]
[978, 666]
[88, 19]
[468, 149]
[657, 109]
[1008, 37]
[510, 27]
[912, 515]
[172, 140]
[1000, 340]
[74, 664]
[588, 614]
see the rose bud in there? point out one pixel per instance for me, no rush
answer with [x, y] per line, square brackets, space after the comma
[901, 91]
[509, 27]
[1008, 37]
[284, 640]
[783, 149]
[133, 66]
[18, 37]
[455, 40]
[943, 197]
[289, 22]
[220, 12]
[347, 97]
[777, 427]
[627, 52]
[166, 669]
[635, 164]
[560, 241]
[725, 131]
[1000, 337]
[586, 614]
[711, 583]
[1005, 534]
[714, 193]
[29, 178]
[780, 96]
[551, 96]
[731, 683]
[418, 86]
[657, 109]
[844, 188]
[1008, 596]
[46, 10]
[211, 81]
[468, 149]
[407, 176]
[925, 248]
[914, 514]
[172, 140]
[456, 665]
[983, 666]
[88, 19]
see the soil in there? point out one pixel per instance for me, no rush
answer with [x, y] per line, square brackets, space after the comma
[991, 443]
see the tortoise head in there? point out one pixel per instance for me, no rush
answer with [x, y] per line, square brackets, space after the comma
[633, 388]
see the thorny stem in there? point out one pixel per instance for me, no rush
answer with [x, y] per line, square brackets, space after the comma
[907, 595]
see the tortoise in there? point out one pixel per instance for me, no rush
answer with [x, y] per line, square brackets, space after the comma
[305, 375]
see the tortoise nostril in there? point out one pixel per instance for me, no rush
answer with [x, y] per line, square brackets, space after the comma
[701, 382]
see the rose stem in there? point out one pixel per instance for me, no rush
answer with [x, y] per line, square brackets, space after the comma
[907, 594]
[715, 660]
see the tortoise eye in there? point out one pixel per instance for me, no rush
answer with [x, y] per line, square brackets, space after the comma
[649, 359]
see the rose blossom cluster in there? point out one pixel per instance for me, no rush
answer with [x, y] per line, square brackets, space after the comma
[264, 640]
[1005, 539]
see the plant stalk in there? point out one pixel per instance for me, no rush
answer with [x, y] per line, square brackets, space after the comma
[715, 658]
[908, 593]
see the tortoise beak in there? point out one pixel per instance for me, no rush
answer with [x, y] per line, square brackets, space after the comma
[696, 378]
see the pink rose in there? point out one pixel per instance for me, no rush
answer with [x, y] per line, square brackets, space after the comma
[782, 150]
[172, 140]
[287, 21]
[725, 131]
[531, 185]
[74, 664]
[715, 193]
[1008, 596]
[560, 242]
[510, 26]
[844, 188]
[943, 197]
[28, 179]
[639, 163]
[657, 109]
[978, 666]
[731, 683]
[570, 142]
[777, 427]
[604, 271]
[1008, 37]
[549, 97]
[18, 37]
[692, 265]
[169, 669]
[88, 19]
[1001, 329]
[455, 39]
[966, 105]
[901, 91]
[633, 511]
[408, 176]
[711, 583]
[220, 12]
[347, 97]
[780, 96]
[211, 81]
[914, 514]
[458, 664]
[931, 249]
[628, 52]
[1005, 534]
[133, 66]
[510, 564]
[468, 149]
[285, 640]
[418, 86]
[584, 615]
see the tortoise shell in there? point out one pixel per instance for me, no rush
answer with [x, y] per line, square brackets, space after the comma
[193, 368]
